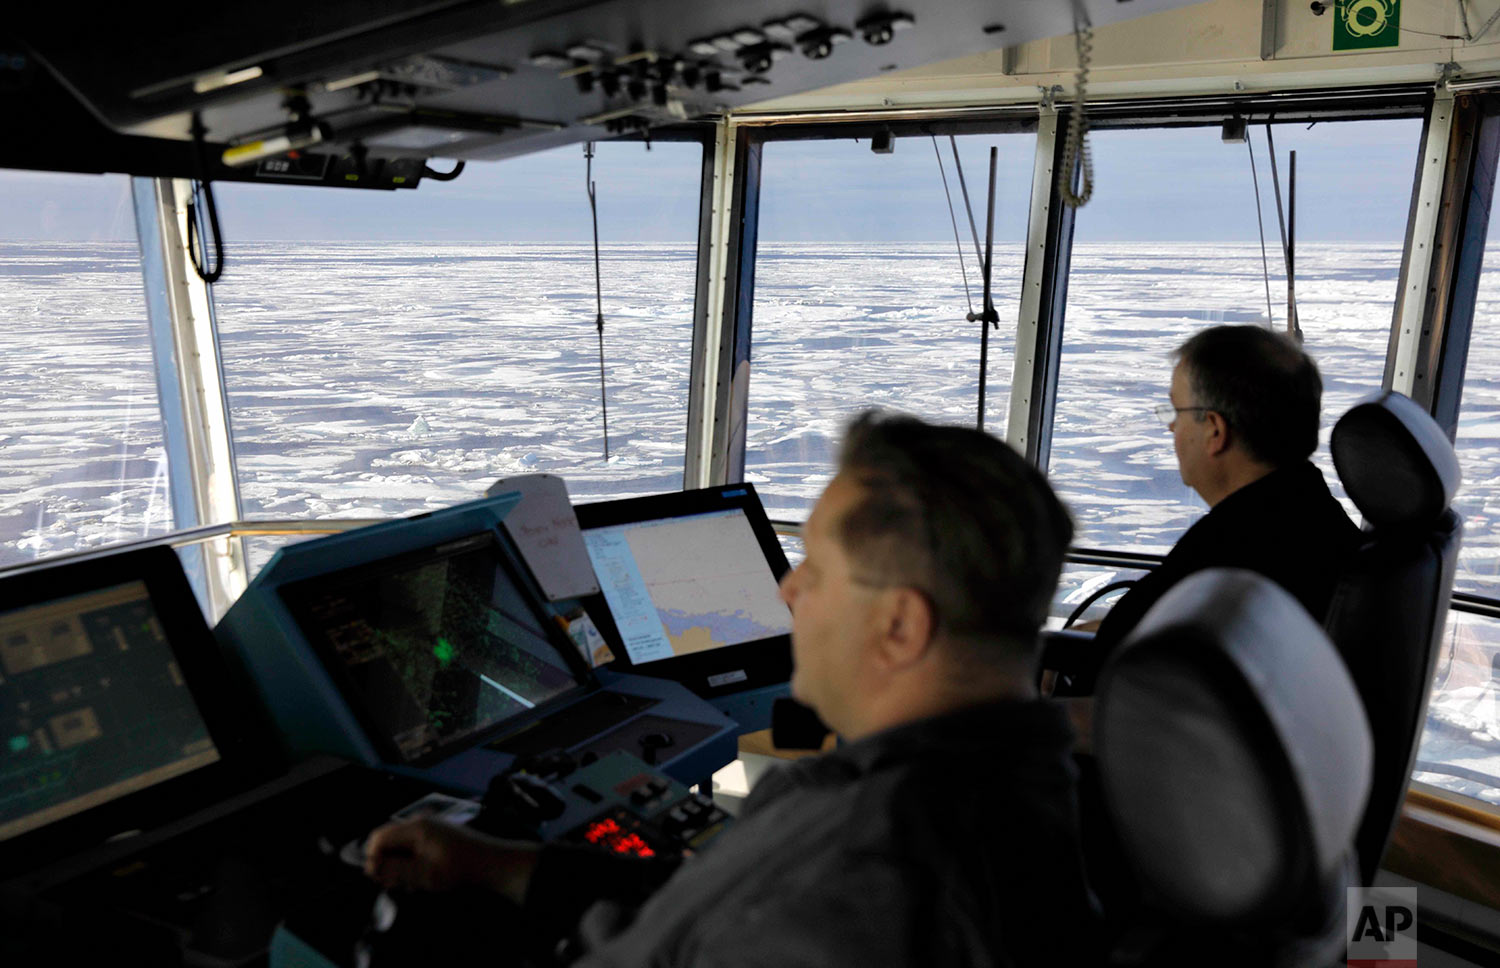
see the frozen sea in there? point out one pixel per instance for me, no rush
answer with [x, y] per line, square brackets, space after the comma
[377, 379]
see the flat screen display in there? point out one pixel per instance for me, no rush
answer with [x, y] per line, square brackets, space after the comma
[432, 648]
[687, 584]
[93, 707]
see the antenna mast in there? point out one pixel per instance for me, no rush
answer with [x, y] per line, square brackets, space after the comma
[588, 157]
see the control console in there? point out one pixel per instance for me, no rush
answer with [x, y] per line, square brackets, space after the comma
[616, 803]
[620, 804]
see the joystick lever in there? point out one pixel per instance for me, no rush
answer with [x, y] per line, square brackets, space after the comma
[653, 743]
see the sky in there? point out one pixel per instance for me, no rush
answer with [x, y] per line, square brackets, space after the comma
[1182, 184]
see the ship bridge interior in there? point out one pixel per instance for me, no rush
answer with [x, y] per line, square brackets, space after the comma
[277, 273]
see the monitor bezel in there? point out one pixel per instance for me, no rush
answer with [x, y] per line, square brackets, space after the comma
[764, 662]
[520, 574]
[242, 737]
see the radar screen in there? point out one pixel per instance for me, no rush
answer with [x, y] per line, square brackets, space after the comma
[433, 648]
[92, 707]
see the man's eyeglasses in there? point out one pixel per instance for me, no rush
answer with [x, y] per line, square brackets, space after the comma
[1167, 413]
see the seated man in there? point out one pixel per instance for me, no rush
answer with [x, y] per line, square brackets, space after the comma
[945, 830]
[1244, 420]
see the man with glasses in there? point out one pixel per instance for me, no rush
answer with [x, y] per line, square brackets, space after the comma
[944, 831]
[1243, 411]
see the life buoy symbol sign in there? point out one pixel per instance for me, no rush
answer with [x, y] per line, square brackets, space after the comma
[1366, 18]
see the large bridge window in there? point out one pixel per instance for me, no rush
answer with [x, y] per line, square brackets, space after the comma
[1460, 749]
[1168, 246]
[387, 353]
[860, 298]
[81, 457]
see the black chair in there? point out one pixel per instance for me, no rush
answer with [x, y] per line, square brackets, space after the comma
[1391, 603]
[1233, 757]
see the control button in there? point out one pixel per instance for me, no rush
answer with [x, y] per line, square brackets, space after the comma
[588, 793]
[641, 796]
[692, 808]
[715, 816]
[677, 815]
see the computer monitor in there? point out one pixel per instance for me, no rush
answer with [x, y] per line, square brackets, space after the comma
[690, 581]
[113, 711]
[436, 646]
[425, 647]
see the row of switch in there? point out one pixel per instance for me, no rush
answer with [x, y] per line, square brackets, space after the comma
[691, 817]
[652, 790]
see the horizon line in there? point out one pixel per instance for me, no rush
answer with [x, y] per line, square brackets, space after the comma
[1270, 244]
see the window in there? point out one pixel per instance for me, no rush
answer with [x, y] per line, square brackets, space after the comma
[387, 353]
[81, 455]
[793, 547]
[1168, 246]
[1081, 582]
[1478, 438]
[1460, 749]
[860, 298]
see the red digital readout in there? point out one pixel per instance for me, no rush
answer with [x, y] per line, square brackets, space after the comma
[608, 833]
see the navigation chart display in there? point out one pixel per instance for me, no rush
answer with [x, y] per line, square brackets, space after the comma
[92, 707]
[680, 585]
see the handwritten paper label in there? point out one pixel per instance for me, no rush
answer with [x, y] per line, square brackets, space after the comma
[545, 528]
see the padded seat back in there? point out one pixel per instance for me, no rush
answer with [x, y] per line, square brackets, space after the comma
[1391, 604]
[1234, 759]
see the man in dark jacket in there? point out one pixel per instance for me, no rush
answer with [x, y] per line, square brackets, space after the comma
[944, 831]
[1243, 411]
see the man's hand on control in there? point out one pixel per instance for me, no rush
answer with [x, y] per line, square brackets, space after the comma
[426, 855]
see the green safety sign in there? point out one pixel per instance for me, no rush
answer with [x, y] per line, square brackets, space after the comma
[1362, 24]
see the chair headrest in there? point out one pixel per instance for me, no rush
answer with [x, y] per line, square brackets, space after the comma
[1396, 463]
[1233, 750]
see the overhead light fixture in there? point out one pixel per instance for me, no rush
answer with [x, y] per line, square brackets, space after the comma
[550, 60]
[223, 79]
[758, 59]
[818, 44]
[353, 80]
[879, 30]
[587, 52]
